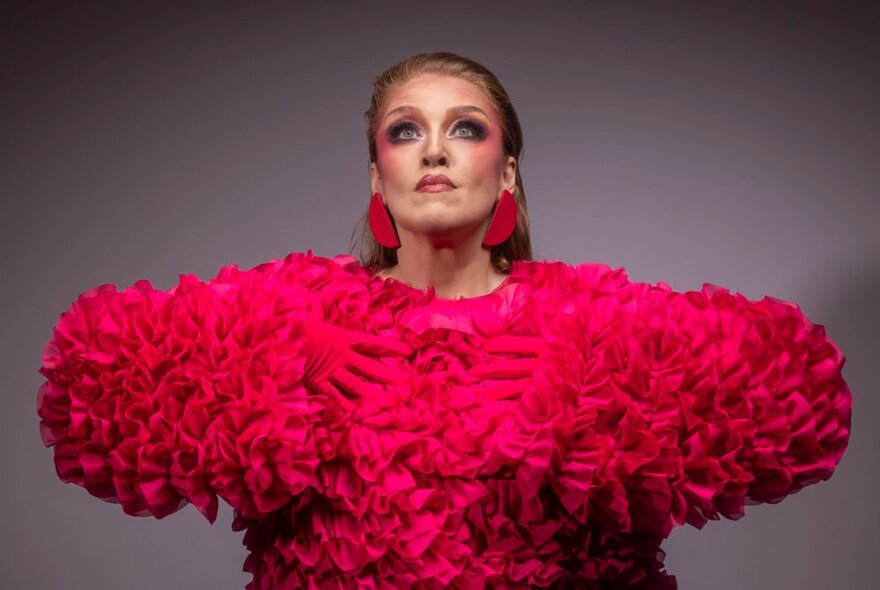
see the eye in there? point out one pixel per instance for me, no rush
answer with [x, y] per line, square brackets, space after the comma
[396, 130]
[403, 131]
[477, 131]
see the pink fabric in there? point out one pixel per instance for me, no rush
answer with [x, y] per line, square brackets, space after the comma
[372, 435]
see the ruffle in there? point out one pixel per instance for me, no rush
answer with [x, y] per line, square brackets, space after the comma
[157, 399]
[693, 405]
[550, 434]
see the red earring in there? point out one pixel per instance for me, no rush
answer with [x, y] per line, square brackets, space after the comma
[503, 220]
[380, 223]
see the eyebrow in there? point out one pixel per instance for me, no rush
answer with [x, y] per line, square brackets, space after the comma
[456, 110]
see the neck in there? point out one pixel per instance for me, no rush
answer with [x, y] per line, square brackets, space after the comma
[455, 269]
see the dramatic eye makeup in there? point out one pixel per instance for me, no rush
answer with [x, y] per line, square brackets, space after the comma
[477, 130]
[403, 130]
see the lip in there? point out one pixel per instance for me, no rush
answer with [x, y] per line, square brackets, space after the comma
[434, 181]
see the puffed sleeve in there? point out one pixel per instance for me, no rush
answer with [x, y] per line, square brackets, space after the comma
[693, 405]
[156, 399]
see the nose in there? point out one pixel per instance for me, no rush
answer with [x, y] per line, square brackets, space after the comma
[435, 152]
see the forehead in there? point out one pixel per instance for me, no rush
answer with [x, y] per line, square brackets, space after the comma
[434, 93]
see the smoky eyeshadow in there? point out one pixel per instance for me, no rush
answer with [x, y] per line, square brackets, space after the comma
[478, 129]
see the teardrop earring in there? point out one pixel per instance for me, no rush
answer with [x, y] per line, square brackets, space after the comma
[503, 220]
[380, 223]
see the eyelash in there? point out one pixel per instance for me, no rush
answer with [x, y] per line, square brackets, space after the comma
[476, 128]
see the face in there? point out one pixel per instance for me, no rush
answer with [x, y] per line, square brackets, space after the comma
[437, 124]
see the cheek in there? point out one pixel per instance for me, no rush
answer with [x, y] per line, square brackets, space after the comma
[483, 160]
[392, 158]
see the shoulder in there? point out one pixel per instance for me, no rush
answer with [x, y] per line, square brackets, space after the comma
[307, 264]
[558, 293]
[565, 277]
[303, 269]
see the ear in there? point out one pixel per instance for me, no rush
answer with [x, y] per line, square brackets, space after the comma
[508, 174]
[375, 179]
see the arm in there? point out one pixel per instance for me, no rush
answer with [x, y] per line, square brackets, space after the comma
[695, 404]
[155, 399]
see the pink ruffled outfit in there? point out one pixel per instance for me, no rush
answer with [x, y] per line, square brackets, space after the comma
[368, 434]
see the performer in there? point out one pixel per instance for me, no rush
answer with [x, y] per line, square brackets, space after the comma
[444, 411]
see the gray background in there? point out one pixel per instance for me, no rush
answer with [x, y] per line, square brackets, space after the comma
[728, 143]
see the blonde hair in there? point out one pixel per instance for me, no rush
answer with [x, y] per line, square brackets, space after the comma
[518, 246]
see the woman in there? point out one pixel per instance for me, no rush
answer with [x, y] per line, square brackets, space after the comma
[445, 412]
[423, 129]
